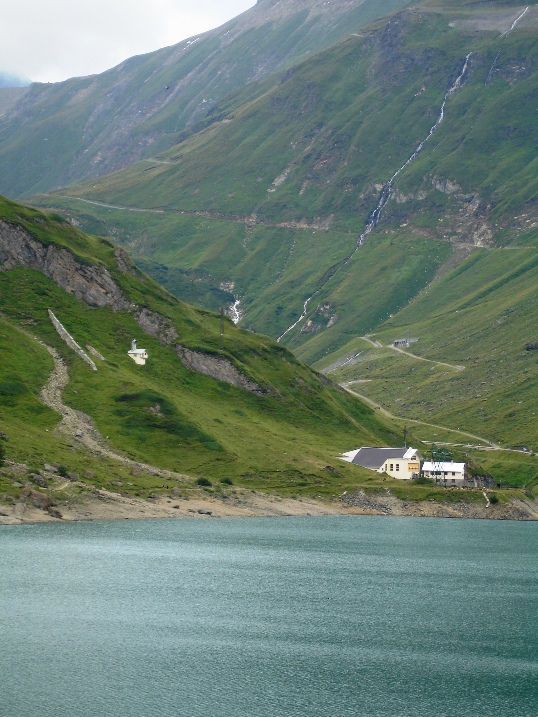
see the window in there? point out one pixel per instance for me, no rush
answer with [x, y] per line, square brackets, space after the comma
[392, 466]
[397, 466]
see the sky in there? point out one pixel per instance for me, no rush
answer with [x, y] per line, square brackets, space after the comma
[51, 40]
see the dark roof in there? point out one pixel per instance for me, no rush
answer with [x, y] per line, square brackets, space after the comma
[375, 457]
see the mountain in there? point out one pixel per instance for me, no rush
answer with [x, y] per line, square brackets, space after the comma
[385, 186]
[217, 420]
[8, 79]
[86, 127]
[213, 401]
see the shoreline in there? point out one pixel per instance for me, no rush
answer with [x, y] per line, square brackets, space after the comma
[106, 505]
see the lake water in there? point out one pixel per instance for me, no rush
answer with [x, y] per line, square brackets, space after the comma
[309, 617]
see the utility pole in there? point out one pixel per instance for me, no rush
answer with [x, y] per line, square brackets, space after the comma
[440, 456]
[221, 340]
[405, 436]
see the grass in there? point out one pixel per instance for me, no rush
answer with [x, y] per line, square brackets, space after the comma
[332, 132]
[162, 413]
[282, 443]
[75, 129]
[272, 200]
[484, 329]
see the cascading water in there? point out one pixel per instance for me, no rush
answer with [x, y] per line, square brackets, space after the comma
[525, 11]
[373, 219]
[375, 216]
[235, 312]
[301, 317]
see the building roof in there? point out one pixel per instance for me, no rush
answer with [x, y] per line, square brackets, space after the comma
[444, 467]
[376, 457]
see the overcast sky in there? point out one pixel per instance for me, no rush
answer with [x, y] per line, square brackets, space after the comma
[51, 40]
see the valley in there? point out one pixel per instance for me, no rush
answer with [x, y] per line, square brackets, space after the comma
[364, 177]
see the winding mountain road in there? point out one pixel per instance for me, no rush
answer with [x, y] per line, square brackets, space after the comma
[421, 358]
[489, 445]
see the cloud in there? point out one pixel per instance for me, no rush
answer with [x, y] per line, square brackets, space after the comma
[51, 40]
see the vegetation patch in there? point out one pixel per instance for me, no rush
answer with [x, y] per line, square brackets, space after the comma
[145, 412]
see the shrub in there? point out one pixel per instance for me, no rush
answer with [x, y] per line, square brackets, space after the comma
[12, 388]
[227, 481]
[63, 471]
[422, 480]
[204, 482]
[493, 498]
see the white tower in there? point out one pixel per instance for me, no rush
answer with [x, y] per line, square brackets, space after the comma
[139, 356]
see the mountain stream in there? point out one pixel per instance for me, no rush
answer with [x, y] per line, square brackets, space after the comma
[375, 216]
[235, 312]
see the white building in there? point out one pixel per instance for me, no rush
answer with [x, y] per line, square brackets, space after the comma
[139, 356]
[447, 474]
[402, 463]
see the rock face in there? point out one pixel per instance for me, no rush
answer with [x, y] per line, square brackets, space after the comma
[91, 284]
[217, 367]
[156, 325]
[95, 286]
[387, 504]
[37, 499]
[123, 260]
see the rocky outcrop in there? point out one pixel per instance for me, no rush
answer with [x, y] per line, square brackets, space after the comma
[95, 352]
[123, 260]
[387, 504]
[156, 325]
[91, 284]
[94, 285]
[70, 341]
[216, 367]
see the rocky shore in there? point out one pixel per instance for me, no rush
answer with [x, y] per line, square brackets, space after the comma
[107, 505]
[387, 504]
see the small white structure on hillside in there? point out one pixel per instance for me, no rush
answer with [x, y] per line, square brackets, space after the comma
[402, 463]
[447, 474]
[139, 356]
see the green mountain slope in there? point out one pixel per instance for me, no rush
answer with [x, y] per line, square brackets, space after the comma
[235, 406]
[268, 202]
[88, 126]
[473, 327]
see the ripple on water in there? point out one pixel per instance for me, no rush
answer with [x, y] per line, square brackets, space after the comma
[325, 617]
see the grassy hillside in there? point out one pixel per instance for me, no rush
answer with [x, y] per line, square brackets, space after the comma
[480, 317]
[295, 174]
[267, 203]
[283, 441]
[163, 413]
[85, 127]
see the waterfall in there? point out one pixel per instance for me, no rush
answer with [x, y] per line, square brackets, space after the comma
[234, 312]
[373, 219]
[525, 11]
[301, 317]
[375, 216]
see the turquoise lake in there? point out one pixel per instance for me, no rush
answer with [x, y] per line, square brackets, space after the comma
[309, 617]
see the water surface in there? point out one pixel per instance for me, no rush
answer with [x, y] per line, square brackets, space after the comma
[317, 617]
